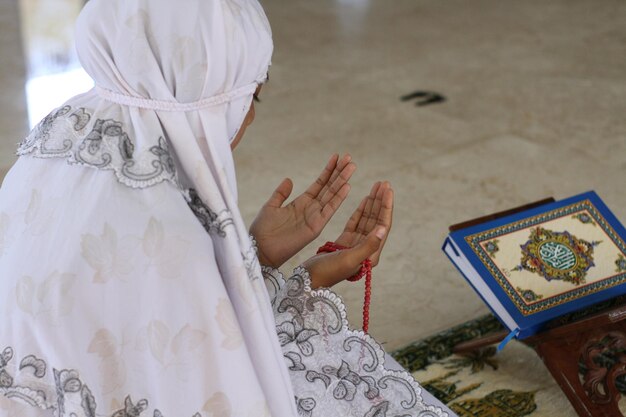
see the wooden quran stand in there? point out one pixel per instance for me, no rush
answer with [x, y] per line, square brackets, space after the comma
[585, 355]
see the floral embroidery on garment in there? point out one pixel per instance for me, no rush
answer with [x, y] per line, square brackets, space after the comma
[102, 144]
[341, 370]
[109, 255]
[40, 213]
[227, 322]
[39, 298]
[69, 396]
[213, 223]
[167, 252]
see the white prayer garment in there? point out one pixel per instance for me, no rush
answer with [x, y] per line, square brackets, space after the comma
[128, 283]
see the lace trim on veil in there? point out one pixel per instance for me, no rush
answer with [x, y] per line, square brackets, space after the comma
[103, 144]
[335, 370]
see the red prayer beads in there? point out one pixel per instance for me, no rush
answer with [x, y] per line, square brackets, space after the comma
[364, 271]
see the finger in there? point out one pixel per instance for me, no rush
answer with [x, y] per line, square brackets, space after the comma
[280, 194]
[333, 205]
[384, 220]
[318, 185]
[385, 216]
[338, 184]
[366, 248]
[341, 164]
[353, 221]
[348, 237]
[361, 227]
[373, 216]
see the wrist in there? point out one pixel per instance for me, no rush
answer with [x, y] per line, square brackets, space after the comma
[324, 270]
[263, 259]
[261, 246]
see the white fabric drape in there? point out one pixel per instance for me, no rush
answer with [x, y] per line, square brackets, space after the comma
[117, 299]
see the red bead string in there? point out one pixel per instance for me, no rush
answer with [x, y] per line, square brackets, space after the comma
[364, 271]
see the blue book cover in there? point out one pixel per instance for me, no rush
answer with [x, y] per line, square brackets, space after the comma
[536, 265]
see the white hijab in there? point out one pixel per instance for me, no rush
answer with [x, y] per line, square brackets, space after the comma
[174, 81]
[196, 63]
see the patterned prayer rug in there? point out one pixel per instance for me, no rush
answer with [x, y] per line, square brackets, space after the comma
[512, 383]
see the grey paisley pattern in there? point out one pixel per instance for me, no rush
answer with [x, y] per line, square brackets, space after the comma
[69, 397]
[40, 135]
[341, 370]
[212, 222]
[294, 332]
[305, 406]
[103, 144]
[216, 223]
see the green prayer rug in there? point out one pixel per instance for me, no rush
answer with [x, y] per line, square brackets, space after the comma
[511, 383]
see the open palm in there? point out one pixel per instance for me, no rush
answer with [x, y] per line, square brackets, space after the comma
[281, 231]
[375, 210]
[364, 237]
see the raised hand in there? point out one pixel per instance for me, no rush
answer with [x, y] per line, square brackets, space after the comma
[365, 235]
[375, 210]
[281, 231]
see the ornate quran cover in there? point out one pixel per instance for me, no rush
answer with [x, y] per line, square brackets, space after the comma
[533, 266]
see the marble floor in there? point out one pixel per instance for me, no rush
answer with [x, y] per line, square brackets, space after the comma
[535, 107]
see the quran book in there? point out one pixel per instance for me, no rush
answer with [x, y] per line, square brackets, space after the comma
[542, 262]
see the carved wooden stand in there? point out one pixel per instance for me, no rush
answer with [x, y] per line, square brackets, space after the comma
[585, 357]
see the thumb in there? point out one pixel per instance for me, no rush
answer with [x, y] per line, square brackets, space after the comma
[368, 246]
[280, 194]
